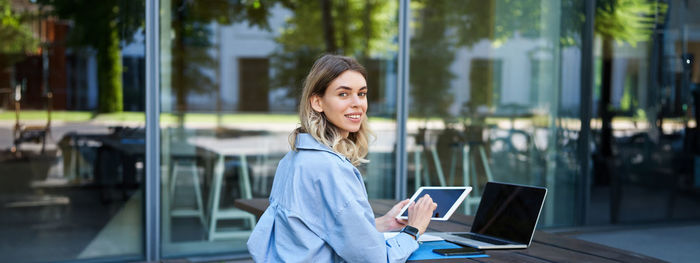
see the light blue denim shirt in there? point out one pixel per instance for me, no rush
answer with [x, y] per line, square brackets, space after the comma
[319, 212]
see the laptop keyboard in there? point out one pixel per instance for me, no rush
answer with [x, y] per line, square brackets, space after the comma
[480, 238]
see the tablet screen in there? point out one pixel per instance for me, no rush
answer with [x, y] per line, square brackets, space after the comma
[447, 199]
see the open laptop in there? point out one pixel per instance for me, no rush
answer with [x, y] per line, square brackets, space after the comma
[506, 218]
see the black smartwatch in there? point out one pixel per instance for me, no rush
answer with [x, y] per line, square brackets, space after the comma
[411, 231]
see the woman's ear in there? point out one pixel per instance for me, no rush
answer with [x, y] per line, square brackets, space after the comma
[316, 102]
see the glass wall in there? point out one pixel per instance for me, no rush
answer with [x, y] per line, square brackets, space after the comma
[646, 149]
[495, 94]
[494, 90]
[231, 76]
[71, 130]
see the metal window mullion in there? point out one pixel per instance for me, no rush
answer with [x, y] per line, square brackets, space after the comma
[152, 193]
[586, 112]
[402, 101]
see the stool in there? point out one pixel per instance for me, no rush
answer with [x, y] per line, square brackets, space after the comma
[187, 168]
[470, 175]
[421, 166]
[218, 213]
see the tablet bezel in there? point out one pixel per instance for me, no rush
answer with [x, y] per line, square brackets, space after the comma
[455, 205]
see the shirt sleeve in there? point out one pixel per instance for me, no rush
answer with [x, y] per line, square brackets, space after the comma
[356, 239]
[351, 228]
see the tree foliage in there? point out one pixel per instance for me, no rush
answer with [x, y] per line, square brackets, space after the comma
[365, 29]
[192, 40]
[630, 21]
[432, 53]
[441, 27]
[103, 25]
[16, 35]
[359, 27]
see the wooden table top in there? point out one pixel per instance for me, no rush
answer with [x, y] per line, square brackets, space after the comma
[545, 247]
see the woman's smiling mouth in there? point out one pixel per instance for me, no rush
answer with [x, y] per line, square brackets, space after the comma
[354, 116]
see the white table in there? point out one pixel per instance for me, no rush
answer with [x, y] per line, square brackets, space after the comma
[240, 148]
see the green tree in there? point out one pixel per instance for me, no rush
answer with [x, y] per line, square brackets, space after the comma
[441, 27]
[365, 29]
[361, 28]
[432, 53]
[628, 21]
[192, 33]
[103, 25]
[16, 35]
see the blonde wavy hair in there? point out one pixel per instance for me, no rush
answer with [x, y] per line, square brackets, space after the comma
[324, 71]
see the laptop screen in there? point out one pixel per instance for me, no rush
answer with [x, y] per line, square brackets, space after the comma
[509, 211]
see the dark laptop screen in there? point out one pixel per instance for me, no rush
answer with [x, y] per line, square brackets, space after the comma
[443, 197]
[509, 211]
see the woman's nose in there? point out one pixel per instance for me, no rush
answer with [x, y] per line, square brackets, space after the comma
[356, 100]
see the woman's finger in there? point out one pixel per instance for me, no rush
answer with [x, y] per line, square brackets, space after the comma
[425, 198]
[401, 204]
[398, 206]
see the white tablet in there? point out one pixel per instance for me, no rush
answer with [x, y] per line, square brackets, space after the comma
[448, 199]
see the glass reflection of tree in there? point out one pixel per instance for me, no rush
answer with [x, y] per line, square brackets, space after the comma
[17, 38]
[442, 27]
[364, 29]
[468, 22]
[432, 54]
[630, 21]
[623, 21]
[103, 25]
[190, 50]
[192, 34]
[358, 28]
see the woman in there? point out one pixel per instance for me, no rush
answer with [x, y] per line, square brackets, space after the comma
[319, 210]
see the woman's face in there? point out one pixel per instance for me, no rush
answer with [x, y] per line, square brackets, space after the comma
[344, 102]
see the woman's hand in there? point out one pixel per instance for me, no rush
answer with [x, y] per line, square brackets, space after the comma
[419, 214]
[389, 222]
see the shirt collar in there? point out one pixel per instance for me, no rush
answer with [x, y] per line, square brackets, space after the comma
[307, 142]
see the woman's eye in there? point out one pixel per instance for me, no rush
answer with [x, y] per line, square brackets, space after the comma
[363, 94]
[343, 94]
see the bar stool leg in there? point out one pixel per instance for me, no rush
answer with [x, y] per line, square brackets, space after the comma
[198, 210]
[217, 213]
[417, 163]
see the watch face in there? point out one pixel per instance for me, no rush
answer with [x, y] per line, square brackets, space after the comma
[411, 230]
